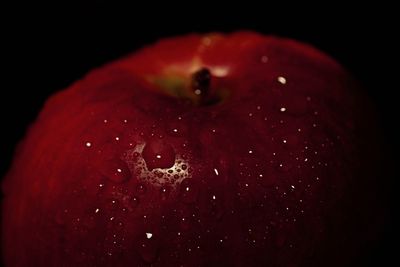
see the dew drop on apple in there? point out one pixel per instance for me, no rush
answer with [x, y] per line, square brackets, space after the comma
[116, 171]
[112, 204]
[134, 202]
[164, 192]
[141, 189]
[216, 208]
[290, 140]
[188, 191]
[283, 166]
[281, 80]
[266, 180]
[158, 154]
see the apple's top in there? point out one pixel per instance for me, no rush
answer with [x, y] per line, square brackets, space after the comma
[173, 65]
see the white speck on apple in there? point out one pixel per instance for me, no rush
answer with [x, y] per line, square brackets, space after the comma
[216, 171]
[282, 80]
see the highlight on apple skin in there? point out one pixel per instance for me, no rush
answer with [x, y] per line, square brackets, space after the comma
[203, 150]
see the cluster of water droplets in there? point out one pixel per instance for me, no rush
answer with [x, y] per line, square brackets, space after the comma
[171, 176]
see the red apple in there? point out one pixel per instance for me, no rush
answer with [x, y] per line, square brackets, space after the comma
[204, 150]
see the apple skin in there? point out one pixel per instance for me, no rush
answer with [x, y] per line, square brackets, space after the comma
[128, 167]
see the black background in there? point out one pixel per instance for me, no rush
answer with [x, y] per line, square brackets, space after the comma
[48, 47]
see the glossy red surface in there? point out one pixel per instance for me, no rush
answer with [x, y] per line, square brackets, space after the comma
[116, 172]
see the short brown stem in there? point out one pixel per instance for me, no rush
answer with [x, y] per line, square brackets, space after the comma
[201, 82]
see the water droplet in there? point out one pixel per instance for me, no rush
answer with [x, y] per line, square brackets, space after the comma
[112, 204]
[134, 202]
[88, 144]
[216, 207]
[283, 166]
[165, 191]
[291, 140]
[267, 180]
[158, 154]
[281, 79]
[141, 189]
[116, 171]
[189, 190]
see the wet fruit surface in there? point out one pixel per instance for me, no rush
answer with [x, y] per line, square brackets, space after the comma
[137, 165]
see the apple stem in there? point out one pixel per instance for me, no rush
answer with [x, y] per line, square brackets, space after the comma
[201, 81]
